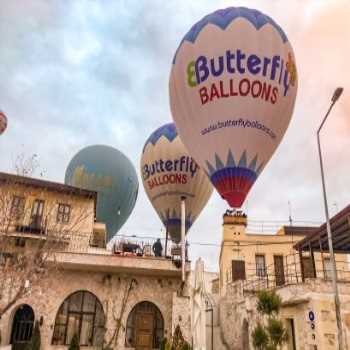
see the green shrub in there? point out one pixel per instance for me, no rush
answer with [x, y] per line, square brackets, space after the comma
[74, 344]
[278, 334]
[272, 335]
[260, 337]
[269, 303]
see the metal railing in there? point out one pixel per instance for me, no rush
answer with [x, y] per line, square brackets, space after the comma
[258, 277]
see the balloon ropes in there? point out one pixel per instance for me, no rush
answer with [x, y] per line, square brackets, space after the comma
[233, 86]
[110, 173]
[169, 173]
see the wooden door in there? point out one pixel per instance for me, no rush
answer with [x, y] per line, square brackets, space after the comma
[144, 331]
[279, 270]
[238, 270]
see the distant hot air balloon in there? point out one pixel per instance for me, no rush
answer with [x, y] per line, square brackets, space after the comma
[3, 122]
[168, 173]
[233, 85]
[111, 174]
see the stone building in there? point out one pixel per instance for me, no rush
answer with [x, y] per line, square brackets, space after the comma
[295, 263]
[124, 297]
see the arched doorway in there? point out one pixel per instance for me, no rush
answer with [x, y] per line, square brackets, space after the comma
[144, 327]
[22, 327]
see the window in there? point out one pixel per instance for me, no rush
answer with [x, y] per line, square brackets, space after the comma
[279, 270]
[327, 268]
[144, 327]
[63, 213]
[22, 327]
[80, 313]
[7, 258]
[260, 265]
[308, 267]
[20, 242]
[37, 213]
[17, 207]
[238, 270]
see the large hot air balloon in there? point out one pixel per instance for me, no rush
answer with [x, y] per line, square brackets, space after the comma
[3, 122]
[233, 85]
[110, 173]
[168, 173]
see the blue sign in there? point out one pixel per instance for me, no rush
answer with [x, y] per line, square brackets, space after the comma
[311, 316]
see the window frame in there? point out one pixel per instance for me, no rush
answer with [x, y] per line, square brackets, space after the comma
[61, 214]
[37, 213]
[17, 209]
[66, 311]
[260, 272]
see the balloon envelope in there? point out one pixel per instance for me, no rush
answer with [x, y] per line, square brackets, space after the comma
[3, 122]
[168, 173]
[233, 85]
[111, 174]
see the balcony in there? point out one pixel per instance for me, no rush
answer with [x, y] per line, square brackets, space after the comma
[111, 263]
[123, 256]
[30, 229]
[312, 269]
[38, 232]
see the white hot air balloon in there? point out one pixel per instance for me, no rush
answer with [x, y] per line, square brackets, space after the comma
[233, 85]
[169, 173]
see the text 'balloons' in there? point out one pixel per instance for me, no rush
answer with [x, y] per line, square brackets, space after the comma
[169, 173]
[233, 86]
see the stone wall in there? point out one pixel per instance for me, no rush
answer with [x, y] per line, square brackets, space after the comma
[238, 310]
[181, 315]
[109, 289]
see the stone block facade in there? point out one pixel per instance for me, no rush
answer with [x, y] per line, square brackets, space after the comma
[238, 315]
[47, 298]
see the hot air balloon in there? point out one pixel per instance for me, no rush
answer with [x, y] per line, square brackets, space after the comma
[3, 122]
[168, 173]
[110, 173]
[233, 85]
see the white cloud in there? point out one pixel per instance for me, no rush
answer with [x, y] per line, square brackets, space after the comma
[82, 72]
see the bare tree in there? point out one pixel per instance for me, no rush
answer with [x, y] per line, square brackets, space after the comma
[29, 244]
[130, 284]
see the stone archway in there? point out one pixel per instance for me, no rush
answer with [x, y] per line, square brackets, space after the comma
[22, 327]
[245, 335]
[144, 327]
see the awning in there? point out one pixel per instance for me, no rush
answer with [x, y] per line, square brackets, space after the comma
[340, 228]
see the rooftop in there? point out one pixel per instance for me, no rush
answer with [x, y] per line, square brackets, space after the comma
[340, 228]
[49, 185]
[299, 230]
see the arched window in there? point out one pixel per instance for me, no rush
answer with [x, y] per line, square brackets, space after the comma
[80, 313]
[22, 327]
[144, 327]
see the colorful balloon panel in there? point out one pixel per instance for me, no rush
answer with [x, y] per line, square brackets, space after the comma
[3, 122]
[233, 86]
[168, 173]
[110, 173]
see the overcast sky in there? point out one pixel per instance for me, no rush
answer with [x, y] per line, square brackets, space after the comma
[76, 73]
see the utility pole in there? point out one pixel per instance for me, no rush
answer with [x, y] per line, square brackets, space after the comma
[335, 97]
